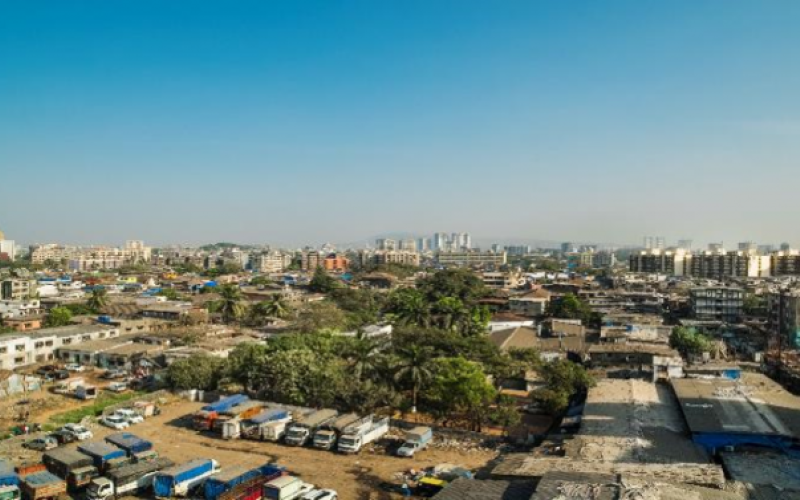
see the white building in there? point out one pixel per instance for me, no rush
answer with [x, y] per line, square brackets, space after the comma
[18, 350]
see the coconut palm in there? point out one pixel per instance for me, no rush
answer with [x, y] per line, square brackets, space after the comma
[277, 307]
[98, 300]
[414, 365]
[230, 303]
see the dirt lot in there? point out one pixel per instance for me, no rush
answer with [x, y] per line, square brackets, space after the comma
[354, 477]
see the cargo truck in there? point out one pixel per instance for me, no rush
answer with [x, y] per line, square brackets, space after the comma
[128, 479]
[326, 436]
[256, 426]
[71, 465]
[354, 440]
[286, 488]
[9, 482]
[417, 439]
[105, 456]
[86, 392]
[204, 419]
[228, 421]
[179, 480]
[301, 431]
[244, 478]
[138, 449]
[43, 486]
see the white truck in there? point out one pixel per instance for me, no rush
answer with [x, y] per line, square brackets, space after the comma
[301, 431]
[326, 436]
[352, 442]
[417, 439]
[126, 480]
[286, 488]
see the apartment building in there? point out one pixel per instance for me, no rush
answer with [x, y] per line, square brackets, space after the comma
[17, 289]
[711, 264]
[658, 261]
[717, 303]
[14, 309]
[336, 262]
[497, 280]
[784, 316]
[310, 260]
[92, 258]
[530, 304]
[18, 350]
[384, 257]
[52, 252]
[270, 262]
[471, 259]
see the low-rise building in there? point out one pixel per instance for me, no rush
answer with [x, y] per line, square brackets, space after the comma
[532, 304]
[471, 259]
[717, 303]
[502, 280]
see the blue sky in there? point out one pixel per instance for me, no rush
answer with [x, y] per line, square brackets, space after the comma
[309, 121]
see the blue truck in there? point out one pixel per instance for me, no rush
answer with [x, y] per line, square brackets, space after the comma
[138, 449]
[104, 455]
[232, 477]
[179, 480]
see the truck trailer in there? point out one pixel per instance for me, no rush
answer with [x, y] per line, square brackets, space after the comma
[105, 456]
[301, 431]
[204, 419]
[128, 479]
[76, 468]
[256, 427]
[228, 421]
[138, 449]
[286, 488]
[326, 436]
[43, 486]
[243, 478]
[178, 480]
[354, 440]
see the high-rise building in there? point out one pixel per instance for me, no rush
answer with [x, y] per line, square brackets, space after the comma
[8, 249]
[785, 247]
[748, 247]
[686, 244]
[655, 243]
[440, 241]
[386, 244]
[784, 317]
[423, 244]
[408, 245]
[568, 247]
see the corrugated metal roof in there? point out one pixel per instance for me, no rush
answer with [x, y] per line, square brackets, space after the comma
[473, 489]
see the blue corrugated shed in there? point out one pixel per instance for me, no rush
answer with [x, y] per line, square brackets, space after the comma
[7, 475]
[129, 442]
[234, 476]
[101, 452]
[226, 403]
[270, 415]
[165, 481]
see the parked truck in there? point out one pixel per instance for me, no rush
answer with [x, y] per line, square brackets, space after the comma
[417, 439]
[43, 486]
[76, 468]
[286, 488]
[125, 480]
[245, 479]
[138, 449]
[301, 431]
[204, 419]
[86, 392]
[105, 456]
[228, 421]
[9, 482]
[266, 424]
[326, 436]
[179, 480]
[68, 386]
[356, 438]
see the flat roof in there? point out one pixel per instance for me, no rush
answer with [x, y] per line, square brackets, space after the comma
[739, 407]
[99, 345]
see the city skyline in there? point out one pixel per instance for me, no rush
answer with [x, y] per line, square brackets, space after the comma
[588, 122]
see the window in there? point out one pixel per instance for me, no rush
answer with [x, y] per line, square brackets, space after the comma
[20, 348]
[3, 350]
[19, 361]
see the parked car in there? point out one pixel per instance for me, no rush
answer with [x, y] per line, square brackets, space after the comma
[118, 387]
[46, 371]
[321, 495]
[112, 374]
[79, 431]
[42, 444]
[61, 374]
[63, 437]
[115, 422]
[75, 367]
[129, 416]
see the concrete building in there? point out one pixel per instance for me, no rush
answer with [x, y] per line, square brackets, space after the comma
[502, 280]
[8, 249]
[92, 258]
[408, 245]
[657, 261]
[717, 303]
[784, 317]
[310, 260]
[531, 304]
[16, 309]
[471, 259]
[717, 264]
[270, 262]
[384, 257]
[336, 262]
[655, 243]
[17, 289]
[19, 350]
[386, 244]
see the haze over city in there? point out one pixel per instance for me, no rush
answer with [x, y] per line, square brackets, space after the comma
[305, 122]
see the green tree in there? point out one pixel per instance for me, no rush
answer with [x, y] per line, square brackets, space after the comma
[58, 316]
[169, 293]
[461, 284]
[408, 306]
[98, 300]
[505, 413]
[322, 282]
[688, 341]
[198, 371]
[322, 315]
[230, 303]
[414, 365]
[754, 305]
[460, 386]
[572, 307]
[562, 379]
[245, 364]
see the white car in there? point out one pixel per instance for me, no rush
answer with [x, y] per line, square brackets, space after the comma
[129, 416]
[321, 495]
[115, 422]
[75, 367]
[118, 387]
[79, 431]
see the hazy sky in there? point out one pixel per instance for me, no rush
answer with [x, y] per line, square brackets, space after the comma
[309, 121]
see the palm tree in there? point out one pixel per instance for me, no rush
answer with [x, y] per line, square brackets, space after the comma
[450, 313]
[365, 356]
[411, 308]
[277, 307]
[414, 365]
[98, 300]
[230, 304]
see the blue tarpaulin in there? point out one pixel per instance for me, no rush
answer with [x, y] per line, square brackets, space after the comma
[234, 476]
[166, 480]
